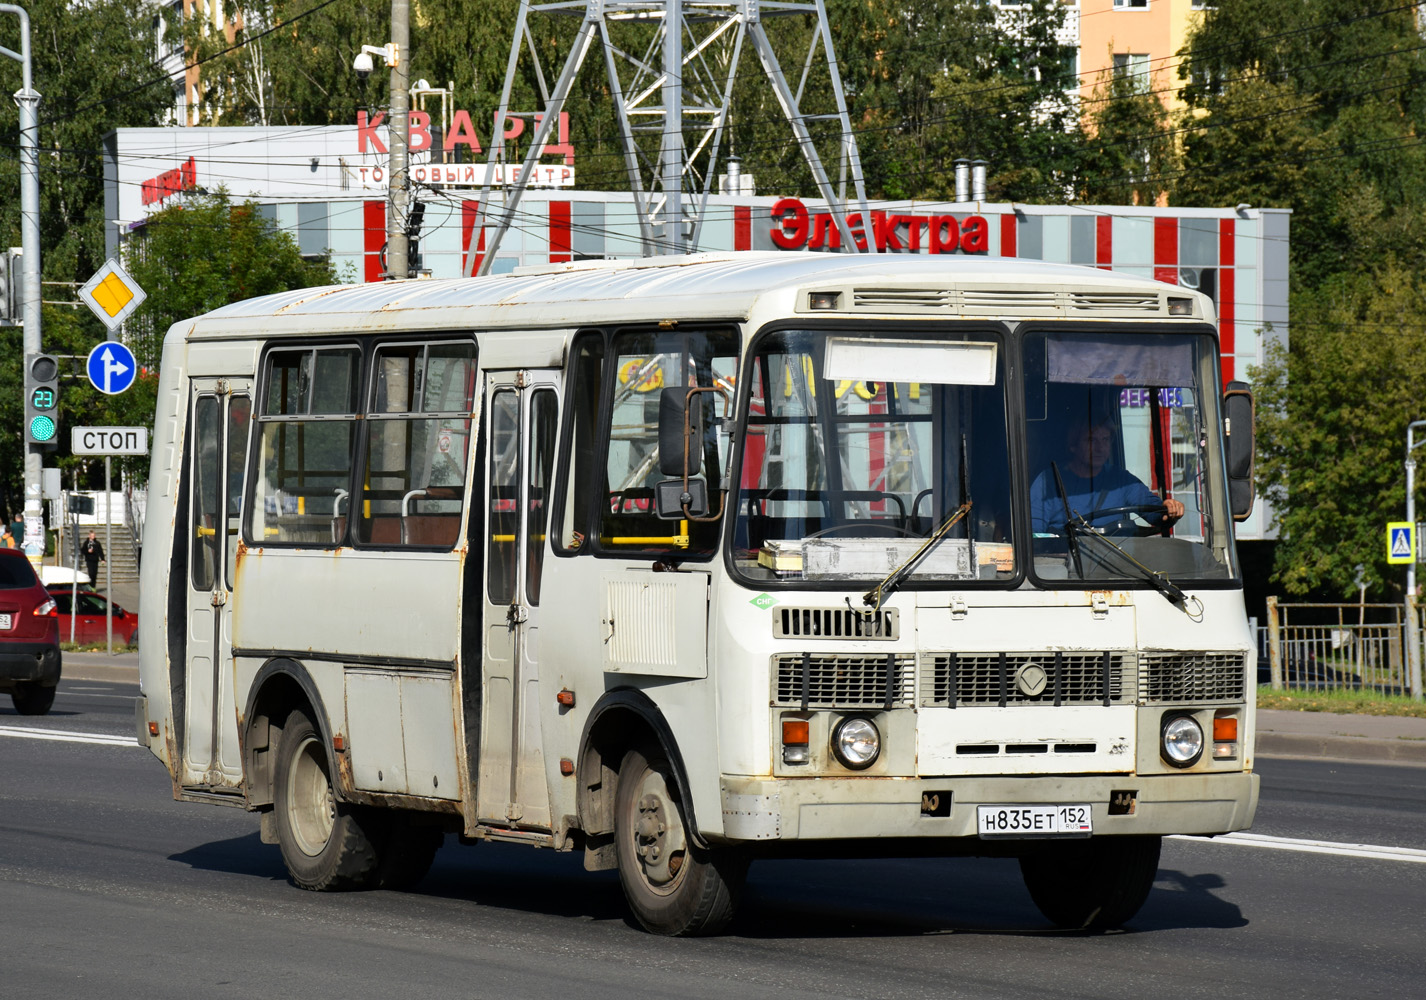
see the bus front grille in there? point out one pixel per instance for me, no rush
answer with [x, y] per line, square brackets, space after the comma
[992, 679]
[1192, 676]
[835, 623]
[821, 680]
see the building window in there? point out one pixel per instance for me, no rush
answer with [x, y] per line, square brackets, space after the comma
[1133, 66]
[1136, 4]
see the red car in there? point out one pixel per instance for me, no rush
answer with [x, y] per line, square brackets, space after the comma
[29, 636]
[89, 624]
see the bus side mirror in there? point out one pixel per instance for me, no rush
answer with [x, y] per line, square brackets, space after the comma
[1239, 435]
[679, 455]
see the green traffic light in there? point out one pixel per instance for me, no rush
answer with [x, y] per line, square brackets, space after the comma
[42, 429]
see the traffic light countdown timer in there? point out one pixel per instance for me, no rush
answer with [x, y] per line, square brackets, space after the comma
[42, 401]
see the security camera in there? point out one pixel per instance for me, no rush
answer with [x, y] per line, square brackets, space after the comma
[363, 65]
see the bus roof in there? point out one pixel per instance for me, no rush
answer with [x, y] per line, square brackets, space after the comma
[705, 286]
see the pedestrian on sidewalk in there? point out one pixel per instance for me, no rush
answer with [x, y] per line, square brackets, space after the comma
[7, 540]
[93, 554]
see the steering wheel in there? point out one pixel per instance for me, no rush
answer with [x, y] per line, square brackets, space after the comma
[1124, 526]
[873, 529]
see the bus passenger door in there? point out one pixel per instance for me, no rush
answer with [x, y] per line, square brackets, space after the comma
[522, 414]
[218, 447]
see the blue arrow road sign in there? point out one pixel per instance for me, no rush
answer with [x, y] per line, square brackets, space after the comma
[111, 367]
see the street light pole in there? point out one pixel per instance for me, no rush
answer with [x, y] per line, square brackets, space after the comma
[1413, 638]
[399, 194]
[28, 100]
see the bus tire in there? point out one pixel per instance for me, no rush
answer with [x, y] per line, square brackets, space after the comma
[32, 698]
[1093, 884]
[672, 886]
[326, 844]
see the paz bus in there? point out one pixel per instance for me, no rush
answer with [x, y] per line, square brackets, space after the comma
[687, 562]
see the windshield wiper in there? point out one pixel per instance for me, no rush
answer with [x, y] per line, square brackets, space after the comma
[875, 597]
[1155, 578]
[1070, 517]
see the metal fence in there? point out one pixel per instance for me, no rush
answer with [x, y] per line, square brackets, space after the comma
[1360, 647]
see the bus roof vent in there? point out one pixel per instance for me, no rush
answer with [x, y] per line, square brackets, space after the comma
[834, 623]
[902, 299]
[1120, 302]
[1009, 301]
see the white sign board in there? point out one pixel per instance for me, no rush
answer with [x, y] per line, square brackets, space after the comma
[109, 440]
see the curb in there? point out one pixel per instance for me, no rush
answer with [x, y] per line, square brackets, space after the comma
[1341, 748]
[118, 673]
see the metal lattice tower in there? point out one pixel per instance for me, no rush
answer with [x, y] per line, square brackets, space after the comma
[671, 66]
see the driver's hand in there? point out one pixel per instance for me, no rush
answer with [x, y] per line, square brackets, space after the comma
[1174, 507]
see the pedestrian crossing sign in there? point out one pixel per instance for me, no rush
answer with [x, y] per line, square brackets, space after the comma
[1400, 542]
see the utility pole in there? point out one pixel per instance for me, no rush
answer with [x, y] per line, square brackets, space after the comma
[398, 200]
[28, 100]
[1413, 635]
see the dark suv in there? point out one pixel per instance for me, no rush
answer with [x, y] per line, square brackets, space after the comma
[29, 636]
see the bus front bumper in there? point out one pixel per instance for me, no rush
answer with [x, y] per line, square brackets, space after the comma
[813, 809]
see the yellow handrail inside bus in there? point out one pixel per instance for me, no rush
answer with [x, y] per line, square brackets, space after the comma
[679, 541]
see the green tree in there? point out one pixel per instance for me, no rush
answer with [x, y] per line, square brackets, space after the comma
[78, 52]
[1332, 415]
[205, 253]
[1130, 156]
[1318, 106]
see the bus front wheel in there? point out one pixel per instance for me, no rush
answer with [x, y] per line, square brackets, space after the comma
[1092, 884]
[673, 887]
[325, 843]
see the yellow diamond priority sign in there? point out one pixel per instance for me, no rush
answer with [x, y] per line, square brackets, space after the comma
[112, 294]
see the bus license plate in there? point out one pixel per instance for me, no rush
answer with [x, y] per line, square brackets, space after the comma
[1034, 821]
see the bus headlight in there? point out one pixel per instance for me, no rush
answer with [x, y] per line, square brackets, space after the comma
[856, 743]
[1182, 740]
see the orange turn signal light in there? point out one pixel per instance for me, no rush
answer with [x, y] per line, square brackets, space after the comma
[795, 731]
[338, 743]
[566, 766]
[565, 698]
[153, 728]
[1225, 730]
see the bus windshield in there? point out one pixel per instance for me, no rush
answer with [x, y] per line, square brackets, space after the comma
[861, 448]
[1125, 462]
[858, 448]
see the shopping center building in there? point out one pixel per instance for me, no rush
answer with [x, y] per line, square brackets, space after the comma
[327, 187]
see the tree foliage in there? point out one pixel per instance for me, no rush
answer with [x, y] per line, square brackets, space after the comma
[1318, 107]
[208, 252]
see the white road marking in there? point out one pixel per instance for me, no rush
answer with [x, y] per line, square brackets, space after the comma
[65, 736]
[1372, 851]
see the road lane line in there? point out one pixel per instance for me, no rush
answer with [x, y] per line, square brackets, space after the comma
[63, 736]
[1372, 851]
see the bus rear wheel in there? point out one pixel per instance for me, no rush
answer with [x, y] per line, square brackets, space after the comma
[673, 887]
[325, 843]
[1093, 884]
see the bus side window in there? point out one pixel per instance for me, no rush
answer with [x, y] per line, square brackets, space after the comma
[645, 362]
[581, 438]
[418, 441]
[306, 445]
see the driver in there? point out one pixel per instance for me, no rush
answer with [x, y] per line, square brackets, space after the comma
[1091, 484]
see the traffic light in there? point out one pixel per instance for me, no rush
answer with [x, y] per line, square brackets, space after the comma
[42, 401]
[9, 278]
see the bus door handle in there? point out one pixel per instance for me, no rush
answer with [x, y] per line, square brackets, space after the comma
[516, 614]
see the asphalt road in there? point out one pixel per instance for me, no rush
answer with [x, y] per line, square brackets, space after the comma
[110, 888]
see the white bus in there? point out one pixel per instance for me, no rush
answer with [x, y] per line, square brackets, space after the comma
[691, 561]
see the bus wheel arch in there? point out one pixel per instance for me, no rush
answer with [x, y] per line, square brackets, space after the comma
[623, 720]
[280, 688]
